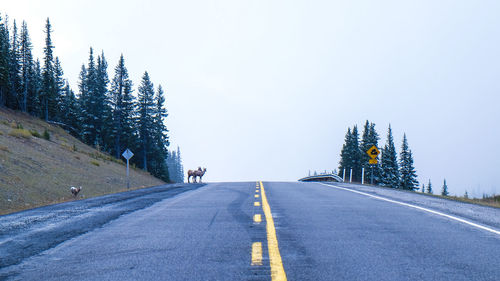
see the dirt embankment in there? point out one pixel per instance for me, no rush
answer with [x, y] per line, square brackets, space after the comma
[39, 162]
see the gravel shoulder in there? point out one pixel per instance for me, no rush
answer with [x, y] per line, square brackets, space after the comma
[488, 216]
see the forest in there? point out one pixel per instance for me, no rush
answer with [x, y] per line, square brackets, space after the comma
[106, 112]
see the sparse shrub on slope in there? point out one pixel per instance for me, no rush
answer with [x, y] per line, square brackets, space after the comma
[20, 133]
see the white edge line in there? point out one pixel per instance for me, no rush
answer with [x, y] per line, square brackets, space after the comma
[419, 208]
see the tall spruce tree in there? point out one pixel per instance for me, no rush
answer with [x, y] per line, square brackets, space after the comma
[180, 167]
[159, 138]
[429, 187]
[369, 138]
[102, 107]
[14, 98]
[122, 108]
[59, 84]
[355, 155]
[145, 119]
[390, 170]
[71, 111]
[35, 86]
[444, 190]
[4, 62]
[48, 92]
[26, 67]
[83, 97]
[344, 155]
[407, 170]
[89, 102]
[350, 156]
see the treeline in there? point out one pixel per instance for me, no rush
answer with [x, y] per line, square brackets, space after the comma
[104, 113]
[175, 167]
[389, 171]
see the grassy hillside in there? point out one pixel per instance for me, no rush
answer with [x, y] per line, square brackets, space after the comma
[39, 162]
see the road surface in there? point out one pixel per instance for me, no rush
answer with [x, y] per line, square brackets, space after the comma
[273, 231]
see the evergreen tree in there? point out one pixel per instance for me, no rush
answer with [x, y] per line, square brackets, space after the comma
[344, 155]
[423, 188]
[159, 138]
[83, 97]
[175, 167]
[350, 155]
[355, 155]
[407, 171]
[59, 84]
[102, 109]
[145, 120]
[390, 170]
[71, 111]
[26, 67]
[4, 62]
[122, 108]
[35, 89]
[89, 102]
[369, 138]
[13, 98]
[48, 92]
[180, 167]
[429, 187]
[466, 195]
[444, 191]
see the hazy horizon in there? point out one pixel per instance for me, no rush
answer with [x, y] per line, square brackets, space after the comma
[265, 90]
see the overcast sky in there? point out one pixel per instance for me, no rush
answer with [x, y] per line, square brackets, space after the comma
[265, 90]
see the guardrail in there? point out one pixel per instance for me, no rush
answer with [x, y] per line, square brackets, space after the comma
[323, 177]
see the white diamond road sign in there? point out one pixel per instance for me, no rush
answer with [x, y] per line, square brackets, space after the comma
[127, 154]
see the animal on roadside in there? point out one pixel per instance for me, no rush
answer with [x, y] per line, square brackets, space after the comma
[75, 190]
[193, 174]
[200, 173]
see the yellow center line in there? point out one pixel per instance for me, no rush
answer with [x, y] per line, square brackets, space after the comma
[257, 253]
[277, 269]
[257, 191]
[256, 195]
[257, 218]
[256, 204]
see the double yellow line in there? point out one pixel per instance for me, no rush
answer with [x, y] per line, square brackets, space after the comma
[277, 269]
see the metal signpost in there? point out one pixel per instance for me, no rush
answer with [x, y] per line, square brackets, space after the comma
[127, 154]
[373, 152]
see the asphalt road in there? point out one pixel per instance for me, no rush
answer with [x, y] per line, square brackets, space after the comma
[211, 232]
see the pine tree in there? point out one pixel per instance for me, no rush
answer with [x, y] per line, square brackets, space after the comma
[429, 187]
[444, 191]
[180, 167]
[344, 155]
[4, 62]
[49, 88]
[355, 155]
[71, 110]
[145, 106]
[26, 67]
[159, 138]
[13, 98]
[59, 84]
[369, 138]
[102, 109]
[407, 171]
[423, 188]
[35, 89]
[89, 102]
[122, 108]
[390, 170]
